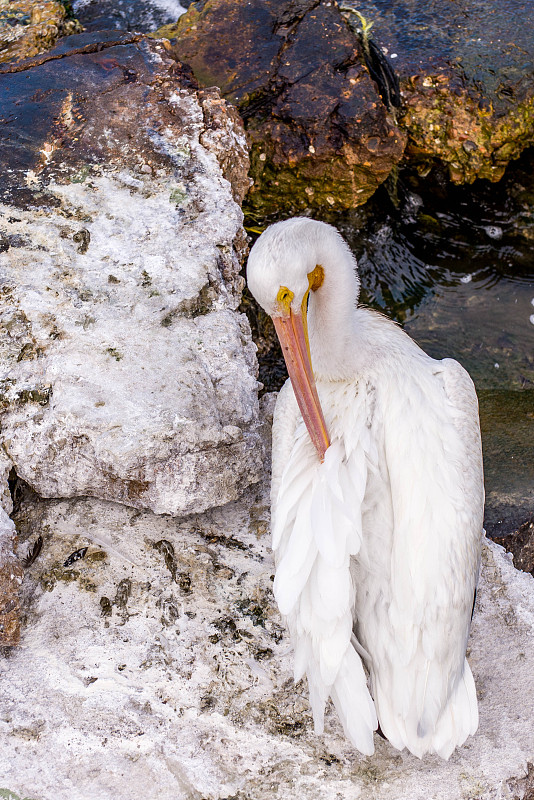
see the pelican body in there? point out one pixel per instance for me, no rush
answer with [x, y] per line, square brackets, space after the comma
[377, 502]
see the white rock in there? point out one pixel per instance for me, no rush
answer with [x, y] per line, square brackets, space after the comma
[126, 371]
[186, 691]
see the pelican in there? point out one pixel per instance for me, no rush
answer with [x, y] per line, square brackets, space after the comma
[377, 502]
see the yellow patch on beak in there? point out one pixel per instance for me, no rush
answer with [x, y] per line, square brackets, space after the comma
[284, 298]
[315, 279]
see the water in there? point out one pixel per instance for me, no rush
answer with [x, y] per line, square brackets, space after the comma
[455, 266]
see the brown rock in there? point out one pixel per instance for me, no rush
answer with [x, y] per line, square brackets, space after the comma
[58, 123]
[320, 135]
[466, 71]
[10, 581]
[520, 544]
[223, 136]
[29, 27]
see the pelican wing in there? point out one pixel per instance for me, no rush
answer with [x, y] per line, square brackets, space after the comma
[416, 617]
[315, 534]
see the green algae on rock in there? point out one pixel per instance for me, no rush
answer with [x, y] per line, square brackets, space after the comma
[449, 121]
[320, 135]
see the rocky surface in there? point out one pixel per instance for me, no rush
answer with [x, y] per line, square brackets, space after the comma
[127, 373]
[520, 544]
[157, 663]
[10, 581]
[320, 135]
[152, 658]
[29, 27]
[467, 77]
[127, 15]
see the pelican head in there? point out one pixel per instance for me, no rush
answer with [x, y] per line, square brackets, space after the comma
[288, 262]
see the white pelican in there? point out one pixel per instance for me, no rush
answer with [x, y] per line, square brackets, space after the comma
[377, 502]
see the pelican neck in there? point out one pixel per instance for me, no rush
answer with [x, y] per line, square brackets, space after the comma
[332, 311]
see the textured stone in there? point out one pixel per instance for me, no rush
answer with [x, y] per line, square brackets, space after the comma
[467, 78]
[319, 131]
[29, 27]
[10, 581]
[126, 371]
[521, 545]
[320, 136]
[159, 660]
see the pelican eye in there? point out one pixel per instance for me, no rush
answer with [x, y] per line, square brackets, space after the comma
[284, 298]
[316, 278]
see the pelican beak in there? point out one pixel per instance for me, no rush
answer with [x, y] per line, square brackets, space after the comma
[292, 332]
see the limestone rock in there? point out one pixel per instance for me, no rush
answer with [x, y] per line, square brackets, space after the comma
[158, 663]
[127, 373]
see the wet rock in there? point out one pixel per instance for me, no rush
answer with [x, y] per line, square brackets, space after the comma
[192, 691]
[29, 27]
[127, 372]
[320, 135]
[466, 73]
[127, 15]
[521, 545]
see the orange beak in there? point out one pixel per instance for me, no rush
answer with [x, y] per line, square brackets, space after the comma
[292, 334]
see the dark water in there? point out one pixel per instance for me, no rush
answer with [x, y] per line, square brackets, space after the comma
[455, 265]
